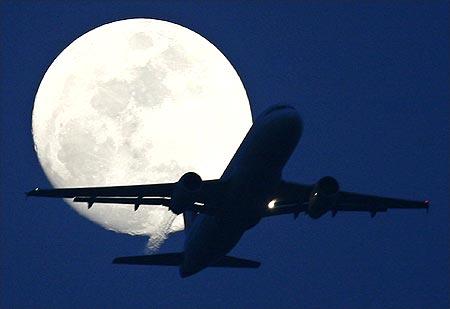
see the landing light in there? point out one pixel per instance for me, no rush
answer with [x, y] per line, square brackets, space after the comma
[271, 204]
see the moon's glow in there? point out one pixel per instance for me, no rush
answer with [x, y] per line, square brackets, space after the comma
[138, 101]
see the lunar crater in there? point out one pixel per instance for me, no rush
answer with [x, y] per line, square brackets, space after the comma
[111, 97]
[148, 85]
[140, 40]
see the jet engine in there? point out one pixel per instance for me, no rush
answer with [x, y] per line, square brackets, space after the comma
[183, 195]
[323, 197]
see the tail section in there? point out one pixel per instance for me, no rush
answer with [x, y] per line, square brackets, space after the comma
[231, 261]
[176, 258]
[165, 259]
[189, 218]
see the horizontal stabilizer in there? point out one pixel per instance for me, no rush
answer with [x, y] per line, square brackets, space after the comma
[175, 259]
[166, 259]
[231, 261]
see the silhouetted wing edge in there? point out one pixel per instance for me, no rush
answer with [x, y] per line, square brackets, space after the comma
[176, 258]
[152, 194]
[164, 259]
[125, 200]
[349, 201]
[137, 202]
[160, 190]
[292, 198]
[235, 262]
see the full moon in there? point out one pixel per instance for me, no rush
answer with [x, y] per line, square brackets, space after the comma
[138, 101]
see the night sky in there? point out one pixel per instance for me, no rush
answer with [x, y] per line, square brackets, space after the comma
[371, 82]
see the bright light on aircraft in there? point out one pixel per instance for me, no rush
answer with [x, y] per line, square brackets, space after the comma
[271, 204]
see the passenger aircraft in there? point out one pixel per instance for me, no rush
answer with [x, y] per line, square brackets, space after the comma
[218, 212]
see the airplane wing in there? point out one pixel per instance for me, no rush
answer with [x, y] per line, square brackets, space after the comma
[349, 201]
[161, 190]
[292, 198]
[151, 194]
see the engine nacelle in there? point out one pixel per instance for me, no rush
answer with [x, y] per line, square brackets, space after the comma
[323, 197]
[183, 195]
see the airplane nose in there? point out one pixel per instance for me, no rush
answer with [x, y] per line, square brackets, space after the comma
[292, 121]
[296, 119]
[289, 114]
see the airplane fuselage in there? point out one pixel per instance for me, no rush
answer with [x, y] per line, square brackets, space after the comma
[217, 212]
[251, 178]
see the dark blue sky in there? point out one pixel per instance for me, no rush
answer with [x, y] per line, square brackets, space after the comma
[371, 81]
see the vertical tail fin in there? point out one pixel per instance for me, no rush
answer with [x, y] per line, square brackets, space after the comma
[189, 218]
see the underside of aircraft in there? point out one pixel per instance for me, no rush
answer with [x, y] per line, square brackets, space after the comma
[218, 212]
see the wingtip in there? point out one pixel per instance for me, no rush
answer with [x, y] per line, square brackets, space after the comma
[32, 192]
[118, 260]
[427, 204]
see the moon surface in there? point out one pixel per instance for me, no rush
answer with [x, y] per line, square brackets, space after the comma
[138, 101]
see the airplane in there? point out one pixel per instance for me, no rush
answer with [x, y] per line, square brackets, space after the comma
[218, 212]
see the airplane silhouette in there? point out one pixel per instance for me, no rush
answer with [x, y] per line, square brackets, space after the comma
[218, 212]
